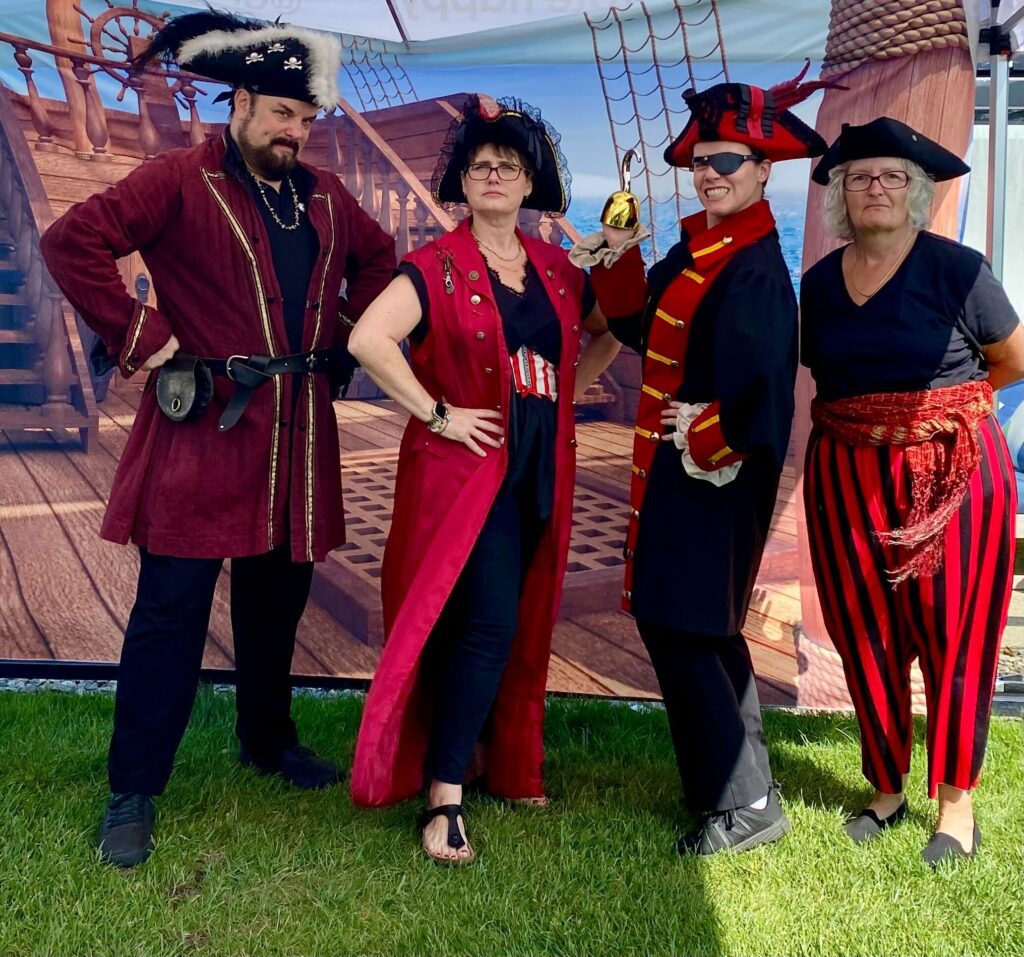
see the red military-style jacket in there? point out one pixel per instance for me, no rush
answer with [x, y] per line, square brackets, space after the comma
[443, 495]
[186, 489]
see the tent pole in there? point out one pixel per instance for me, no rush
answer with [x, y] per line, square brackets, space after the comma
[1000, 44]
[998, 123]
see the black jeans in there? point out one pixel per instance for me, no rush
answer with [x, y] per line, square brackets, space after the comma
[163, 652]
[470, 645]
[714, 715]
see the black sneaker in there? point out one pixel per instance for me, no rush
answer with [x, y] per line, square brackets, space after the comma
[126, 834]
[298, 765]
[738, 830]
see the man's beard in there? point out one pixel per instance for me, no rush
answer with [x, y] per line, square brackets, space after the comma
[264, 160]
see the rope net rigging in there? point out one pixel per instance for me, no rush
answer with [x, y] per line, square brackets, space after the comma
[644, 67]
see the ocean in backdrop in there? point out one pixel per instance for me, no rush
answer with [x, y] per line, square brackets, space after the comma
[585, 213]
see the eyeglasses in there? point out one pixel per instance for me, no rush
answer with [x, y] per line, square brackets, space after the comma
[890, 179]
[725, 164]
[507, 172]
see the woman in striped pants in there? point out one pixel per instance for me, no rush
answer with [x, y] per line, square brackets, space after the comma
[909, 488]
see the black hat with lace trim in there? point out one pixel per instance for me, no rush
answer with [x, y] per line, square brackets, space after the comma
[274, 59]
[509, 123]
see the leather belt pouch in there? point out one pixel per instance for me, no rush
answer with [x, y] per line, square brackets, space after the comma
[184, 386]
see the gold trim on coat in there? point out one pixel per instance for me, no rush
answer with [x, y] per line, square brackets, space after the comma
[268, 337]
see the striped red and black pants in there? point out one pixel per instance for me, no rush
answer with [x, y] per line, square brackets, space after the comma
[952, 621]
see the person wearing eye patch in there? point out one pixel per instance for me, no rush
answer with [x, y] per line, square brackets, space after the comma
[715, 323]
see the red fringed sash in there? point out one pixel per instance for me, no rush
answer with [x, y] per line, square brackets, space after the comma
[940, 429]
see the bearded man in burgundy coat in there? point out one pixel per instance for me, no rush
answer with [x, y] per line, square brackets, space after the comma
[248, 250]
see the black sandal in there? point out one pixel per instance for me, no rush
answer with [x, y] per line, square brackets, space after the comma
[455, 838]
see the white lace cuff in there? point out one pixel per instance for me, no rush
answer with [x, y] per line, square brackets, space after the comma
[591, 250]
[685, 415]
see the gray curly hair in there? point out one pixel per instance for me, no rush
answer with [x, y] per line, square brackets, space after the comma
[920, 194]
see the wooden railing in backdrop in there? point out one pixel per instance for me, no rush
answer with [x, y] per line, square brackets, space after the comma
[90, 120]
[369, 166]
[47, 321]
[382, 182]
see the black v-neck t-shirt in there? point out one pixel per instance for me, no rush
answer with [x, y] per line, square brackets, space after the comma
[923, 329]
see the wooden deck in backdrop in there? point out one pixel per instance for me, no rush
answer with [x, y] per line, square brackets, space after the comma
[65, 593]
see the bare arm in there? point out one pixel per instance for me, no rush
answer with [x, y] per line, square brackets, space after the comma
[375, 342]
[1005, 359]
[602, 348]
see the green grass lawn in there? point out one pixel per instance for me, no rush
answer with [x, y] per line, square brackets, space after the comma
[248, 866]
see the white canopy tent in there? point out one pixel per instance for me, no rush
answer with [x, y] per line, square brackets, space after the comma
[523, 31]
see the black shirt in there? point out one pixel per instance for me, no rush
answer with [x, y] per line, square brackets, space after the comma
[924, 329]
[529, 319]
[294, 251]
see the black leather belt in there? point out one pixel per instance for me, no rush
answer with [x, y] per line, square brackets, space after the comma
[184, 384]
[250, 372]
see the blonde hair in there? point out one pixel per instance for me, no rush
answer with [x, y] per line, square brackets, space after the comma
[920, 193]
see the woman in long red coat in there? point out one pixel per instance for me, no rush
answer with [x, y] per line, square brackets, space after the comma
[483, 503]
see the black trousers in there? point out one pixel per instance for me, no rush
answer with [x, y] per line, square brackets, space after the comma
[714, 715]
[163, 652]
[470, 645]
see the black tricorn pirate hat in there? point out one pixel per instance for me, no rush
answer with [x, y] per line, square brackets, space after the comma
[276, 59]
[888, 137]
[506, 122]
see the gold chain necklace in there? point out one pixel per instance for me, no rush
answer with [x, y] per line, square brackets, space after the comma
[886, 277]
[296, 205]
[507, 259]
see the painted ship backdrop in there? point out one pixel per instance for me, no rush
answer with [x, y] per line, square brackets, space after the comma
[73, 121]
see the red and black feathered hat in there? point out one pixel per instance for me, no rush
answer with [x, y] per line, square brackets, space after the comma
[760, 119]
[506, 122]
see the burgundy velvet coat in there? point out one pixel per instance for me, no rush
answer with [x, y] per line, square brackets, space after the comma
[443, 495]
[184, 489]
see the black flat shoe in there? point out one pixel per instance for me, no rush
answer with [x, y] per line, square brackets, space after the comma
[738, 830]
[298, 765]
[867, 825]
[942, 847]
[455, 838]
[126, 834]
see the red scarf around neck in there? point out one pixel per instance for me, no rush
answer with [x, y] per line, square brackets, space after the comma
[664, 365]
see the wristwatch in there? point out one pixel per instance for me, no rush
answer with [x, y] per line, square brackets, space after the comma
[439, 418]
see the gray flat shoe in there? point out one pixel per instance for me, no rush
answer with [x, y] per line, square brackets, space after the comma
[942, 847]
[867, 825]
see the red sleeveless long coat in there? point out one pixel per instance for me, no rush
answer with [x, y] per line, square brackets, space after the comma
[443, 495]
